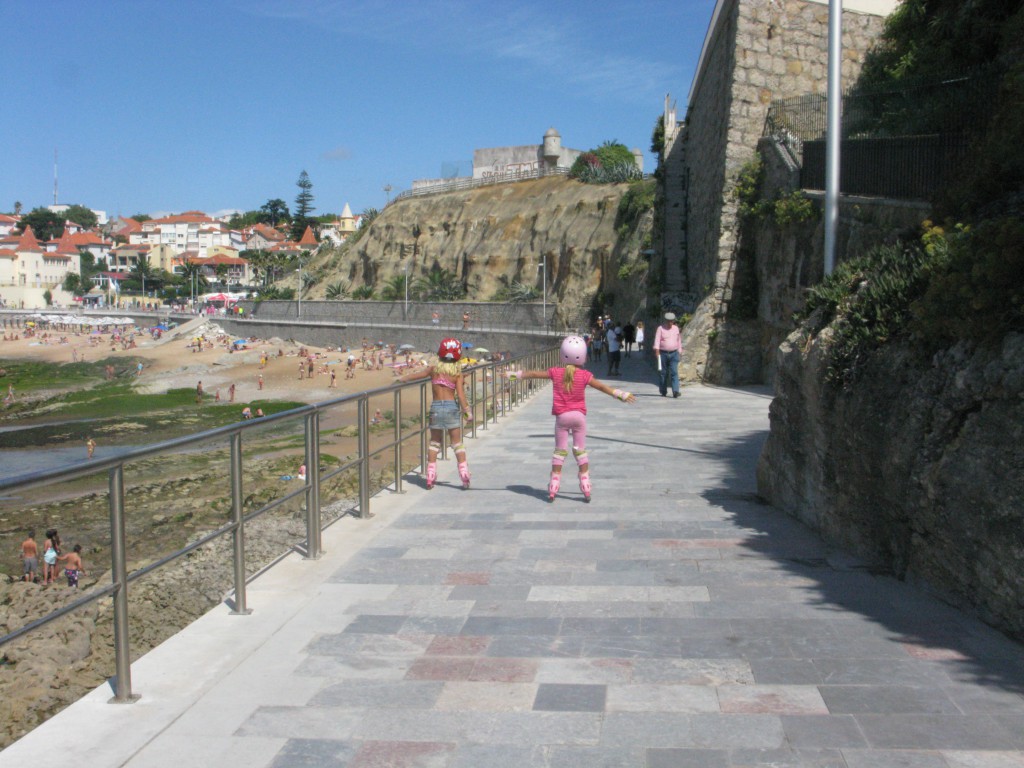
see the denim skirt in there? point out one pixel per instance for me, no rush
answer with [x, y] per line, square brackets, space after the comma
[445, 414]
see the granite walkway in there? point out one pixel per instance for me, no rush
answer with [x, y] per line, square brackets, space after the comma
[674, 621]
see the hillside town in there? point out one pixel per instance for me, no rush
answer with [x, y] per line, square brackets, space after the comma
[199, 249]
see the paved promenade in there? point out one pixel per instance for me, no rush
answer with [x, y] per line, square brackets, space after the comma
[675, 621]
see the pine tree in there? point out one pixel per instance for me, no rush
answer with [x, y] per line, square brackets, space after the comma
[303, 207]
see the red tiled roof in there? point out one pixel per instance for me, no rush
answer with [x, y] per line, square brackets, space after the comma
[308, 238]
[5, 219]
[28, 242]
[7, 253]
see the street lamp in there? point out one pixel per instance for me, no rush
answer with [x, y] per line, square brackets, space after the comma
[543, 266]
[406, 316]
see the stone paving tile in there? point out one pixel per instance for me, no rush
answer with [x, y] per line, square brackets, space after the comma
[595, 671]
[379, 695]
[486, 696]
[813, 731]
[458, 645]
[570, 697]
[687, 758]
[854, 699]
[315, 753]
[359, 668]
[566, 728]
[710, 672]
[990, 759]
[901, 731]
[772, 699]
[614, 594]
[662, 698]
[301, 722]
[904, 758]
[506, 625]
[424, 725]
[403, 754]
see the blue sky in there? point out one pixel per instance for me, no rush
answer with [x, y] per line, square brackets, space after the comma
[214, 105]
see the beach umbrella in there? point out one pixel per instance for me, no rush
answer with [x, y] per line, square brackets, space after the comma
[467, 345]
[236, 342]
[480, 351]
[407, 346]
[161, 327]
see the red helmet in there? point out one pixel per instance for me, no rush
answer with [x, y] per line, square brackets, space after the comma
[450, 350]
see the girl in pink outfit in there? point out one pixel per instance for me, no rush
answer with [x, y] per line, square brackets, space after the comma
[569, 408]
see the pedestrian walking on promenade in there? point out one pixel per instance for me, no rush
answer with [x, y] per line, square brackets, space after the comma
[667, 346]
[569, 407]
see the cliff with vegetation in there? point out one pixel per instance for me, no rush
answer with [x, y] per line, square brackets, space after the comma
[506, 242]
[899, 410]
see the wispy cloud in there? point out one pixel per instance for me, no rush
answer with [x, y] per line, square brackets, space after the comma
[548, 46]
[337, 154]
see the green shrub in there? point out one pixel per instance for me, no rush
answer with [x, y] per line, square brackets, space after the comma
[638, 200]
[976, 286]
[868, 299]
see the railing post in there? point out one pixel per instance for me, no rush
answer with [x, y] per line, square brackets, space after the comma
[398, 441]
[119, 575]
[313, 540]
[423, 429]
[238, 535]
[472, 403]
[364, 458]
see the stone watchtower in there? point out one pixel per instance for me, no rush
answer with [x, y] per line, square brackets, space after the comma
[552, 148]
[755, 51]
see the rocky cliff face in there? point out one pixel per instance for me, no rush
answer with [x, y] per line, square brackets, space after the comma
[918, 465]
[496, 235]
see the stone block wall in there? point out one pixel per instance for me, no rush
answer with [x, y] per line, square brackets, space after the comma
[756, 51]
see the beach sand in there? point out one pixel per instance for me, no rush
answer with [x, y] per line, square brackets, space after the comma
[170, 363]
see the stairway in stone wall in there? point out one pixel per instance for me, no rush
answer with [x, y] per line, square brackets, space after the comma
[676, 178]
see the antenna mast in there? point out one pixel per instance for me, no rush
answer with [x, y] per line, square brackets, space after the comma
[54, 175]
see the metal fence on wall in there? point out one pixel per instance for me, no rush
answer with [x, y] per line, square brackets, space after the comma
[904, 142]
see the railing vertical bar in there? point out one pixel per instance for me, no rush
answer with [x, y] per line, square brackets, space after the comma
[423, 429]
[472, 403]
[398, 441]
[364, 458]
[238, 535]
[119, 575]
[314, 539]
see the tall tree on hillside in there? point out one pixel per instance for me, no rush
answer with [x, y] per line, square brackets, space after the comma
[81, 215]
[303, 207]
[46, 224]
[273, 212]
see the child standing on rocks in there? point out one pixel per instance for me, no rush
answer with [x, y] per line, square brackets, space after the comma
[73, 565]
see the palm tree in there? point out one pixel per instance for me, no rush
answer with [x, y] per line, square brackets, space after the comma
[394, 289]
[439, 285]
[338, 290]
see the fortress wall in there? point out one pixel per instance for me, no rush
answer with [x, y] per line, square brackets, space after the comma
[755, 52]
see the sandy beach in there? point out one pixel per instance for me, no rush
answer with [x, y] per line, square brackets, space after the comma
[171, 362]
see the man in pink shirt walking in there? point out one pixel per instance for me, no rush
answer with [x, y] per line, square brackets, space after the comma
[668, 345]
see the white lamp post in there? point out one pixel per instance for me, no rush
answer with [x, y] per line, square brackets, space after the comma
[406, 316]
[543, 266]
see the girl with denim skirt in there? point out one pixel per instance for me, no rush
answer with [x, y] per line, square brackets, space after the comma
[448, 408]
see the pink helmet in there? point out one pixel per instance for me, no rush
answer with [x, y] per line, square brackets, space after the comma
[574, 351]
[450, 350]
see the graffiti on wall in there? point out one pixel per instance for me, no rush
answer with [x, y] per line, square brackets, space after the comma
[504, 169]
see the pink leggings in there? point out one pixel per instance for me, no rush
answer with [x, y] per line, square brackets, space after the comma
[574, 422]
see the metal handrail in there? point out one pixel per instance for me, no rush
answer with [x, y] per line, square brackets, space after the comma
[499, 399]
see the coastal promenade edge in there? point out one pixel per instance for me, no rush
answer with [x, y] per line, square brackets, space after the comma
[676, 620]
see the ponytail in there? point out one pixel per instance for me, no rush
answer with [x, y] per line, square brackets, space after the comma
[569, 377]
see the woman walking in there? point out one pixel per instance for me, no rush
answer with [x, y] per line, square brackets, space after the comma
[569, 407]
[448, 407]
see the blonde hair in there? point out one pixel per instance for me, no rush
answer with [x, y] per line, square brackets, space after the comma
[569, 377]
[450, 370]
